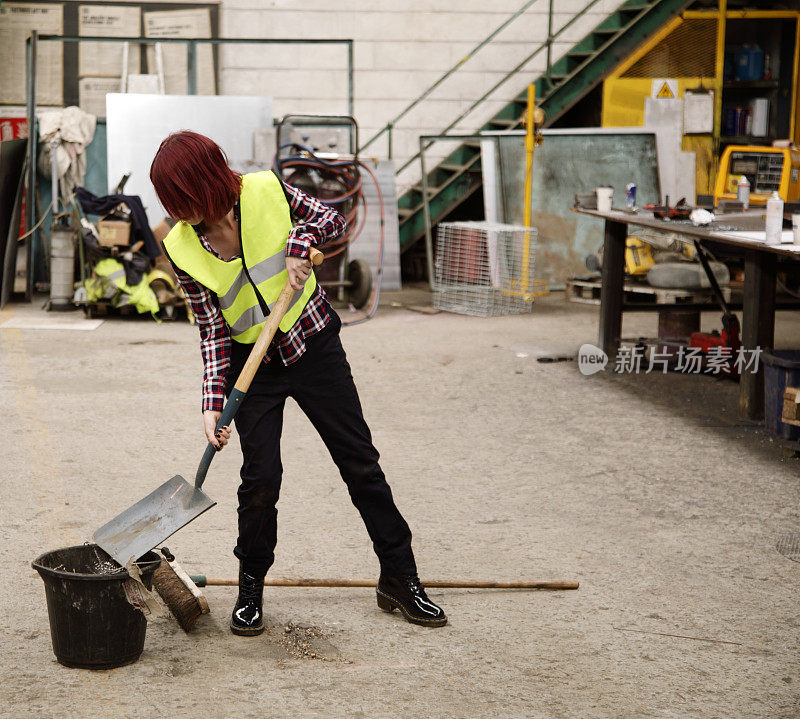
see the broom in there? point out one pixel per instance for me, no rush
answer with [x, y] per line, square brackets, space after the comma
[200, 580]
[180, 592]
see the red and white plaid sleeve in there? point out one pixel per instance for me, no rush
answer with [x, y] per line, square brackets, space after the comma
[215, 339]
[316, 223]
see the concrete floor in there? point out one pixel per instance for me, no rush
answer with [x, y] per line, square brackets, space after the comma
[643, 488]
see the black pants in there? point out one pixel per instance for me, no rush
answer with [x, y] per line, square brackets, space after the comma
[321, 383]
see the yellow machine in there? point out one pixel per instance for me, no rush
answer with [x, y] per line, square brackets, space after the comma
[638, 257]
[767, 169]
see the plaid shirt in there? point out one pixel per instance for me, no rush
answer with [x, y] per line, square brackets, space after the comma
[315, 224]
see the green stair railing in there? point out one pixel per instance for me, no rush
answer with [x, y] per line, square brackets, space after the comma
[558, 88]
[389, 128]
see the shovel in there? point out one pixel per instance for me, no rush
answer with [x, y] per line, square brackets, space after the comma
[177, 502]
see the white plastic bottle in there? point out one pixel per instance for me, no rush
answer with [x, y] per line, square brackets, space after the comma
[774, 226]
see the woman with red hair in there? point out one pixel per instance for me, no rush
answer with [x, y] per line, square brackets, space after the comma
[237, 240]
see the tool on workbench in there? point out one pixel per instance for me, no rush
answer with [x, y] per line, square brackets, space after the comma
[177, 502]
[681, 211]
[730, 335]
[181, 593]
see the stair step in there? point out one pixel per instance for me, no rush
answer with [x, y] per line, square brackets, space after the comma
[407, 213]
[504, 122]
[431, 190]
[458, 176]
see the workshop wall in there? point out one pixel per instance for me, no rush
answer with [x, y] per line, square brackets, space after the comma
[400, 49]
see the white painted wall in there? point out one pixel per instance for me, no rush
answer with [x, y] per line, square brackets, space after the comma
[401, 47]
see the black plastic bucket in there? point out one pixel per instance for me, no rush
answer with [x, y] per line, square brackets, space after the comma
[781, 370]
[92, 624]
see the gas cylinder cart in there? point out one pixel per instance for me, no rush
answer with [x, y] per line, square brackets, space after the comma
[332, 175]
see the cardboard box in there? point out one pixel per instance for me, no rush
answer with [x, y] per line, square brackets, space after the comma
[791, 407]
[161, 230]
[114, 233]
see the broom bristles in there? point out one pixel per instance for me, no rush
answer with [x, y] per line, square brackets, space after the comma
[186, 603]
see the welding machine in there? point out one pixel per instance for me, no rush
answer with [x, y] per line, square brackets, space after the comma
[767, 169]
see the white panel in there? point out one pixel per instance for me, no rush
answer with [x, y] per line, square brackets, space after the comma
[665, 118]
[136, 125]
[367, 244]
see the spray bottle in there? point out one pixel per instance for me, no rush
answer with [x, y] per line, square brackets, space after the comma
[743, 192]
[774, 227]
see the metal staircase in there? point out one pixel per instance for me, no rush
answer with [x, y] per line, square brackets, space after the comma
[561, 85]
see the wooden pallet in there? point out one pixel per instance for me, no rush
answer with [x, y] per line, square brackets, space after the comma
[588, 292]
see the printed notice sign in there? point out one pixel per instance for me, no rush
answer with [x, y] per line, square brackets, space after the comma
[182, 23]
[16, 22]
[104, 59]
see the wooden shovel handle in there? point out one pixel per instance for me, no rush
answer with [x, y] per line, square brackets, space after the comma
[251, 367]
[270, 328]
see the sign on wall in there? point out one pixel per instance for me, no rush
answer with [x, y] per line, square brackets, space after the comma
[664, 89]
[16, 22]
[82, 73]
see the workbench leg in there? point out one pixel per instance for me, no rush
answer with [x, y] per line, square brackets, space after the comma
[758, 327]
[611, 291]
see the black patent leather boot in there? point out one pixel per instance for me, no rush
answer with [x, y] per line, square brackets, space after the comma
[408, 595]
[248, 618]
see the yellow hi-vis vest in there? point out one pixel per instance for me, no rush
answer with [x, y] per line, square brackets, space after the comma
[265, 223]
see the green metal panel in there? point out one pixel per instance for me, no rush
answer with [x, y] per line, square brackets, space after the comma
[588, 63]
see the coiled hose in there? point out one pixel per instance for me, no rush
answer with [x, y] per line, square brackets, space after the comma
[337, 184]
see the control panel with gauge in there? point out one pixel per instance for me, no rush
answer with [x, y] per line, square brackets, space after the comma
[767, 169]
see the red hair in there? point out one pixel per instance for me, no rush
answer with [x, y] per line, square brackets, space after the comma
[191, 177]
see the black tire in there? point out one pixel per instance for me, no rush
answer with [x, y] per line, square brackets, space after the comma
[360, 275]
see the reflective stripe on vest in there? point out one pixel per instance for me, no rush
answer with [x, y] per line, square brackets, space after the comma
[266, 223]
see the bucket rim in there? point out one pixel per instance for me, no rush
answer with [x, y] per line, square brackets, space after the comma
[772, 358]
[122, 573]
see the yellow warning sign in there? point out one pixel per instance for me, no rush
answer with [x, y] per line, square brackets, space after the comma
[664, 88]
[665, 93]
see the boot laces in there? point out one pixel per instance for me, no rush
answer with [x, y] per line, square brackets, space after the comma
[413, 583]
[249, 587]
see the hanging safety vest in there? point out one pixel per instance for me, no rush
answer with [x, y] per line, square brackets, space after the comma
[265, 223]
[108, 283]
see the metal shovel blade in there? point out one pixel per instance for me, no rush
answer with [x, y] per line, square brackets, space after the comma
[151, 520]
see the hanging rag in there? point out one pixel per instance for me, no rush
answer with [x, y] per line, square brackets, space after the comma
[140, 229]
[70, 130]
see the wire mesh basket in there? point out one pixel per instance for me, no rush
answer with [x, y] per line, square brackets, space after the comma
[484, 269]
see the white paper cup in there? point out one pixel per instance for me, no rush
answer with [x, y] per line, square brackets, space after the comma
[604, 195]
[796, 229]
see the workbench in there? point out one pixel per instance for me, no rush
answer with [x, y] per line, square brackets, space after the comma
[758, 300]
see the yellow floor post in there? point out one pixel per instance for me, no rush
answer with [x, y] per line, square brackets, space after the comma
[529, 146]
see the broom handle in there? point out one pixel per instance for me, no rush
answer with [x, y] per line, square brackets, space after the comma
[202, 581]
[251, 366]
